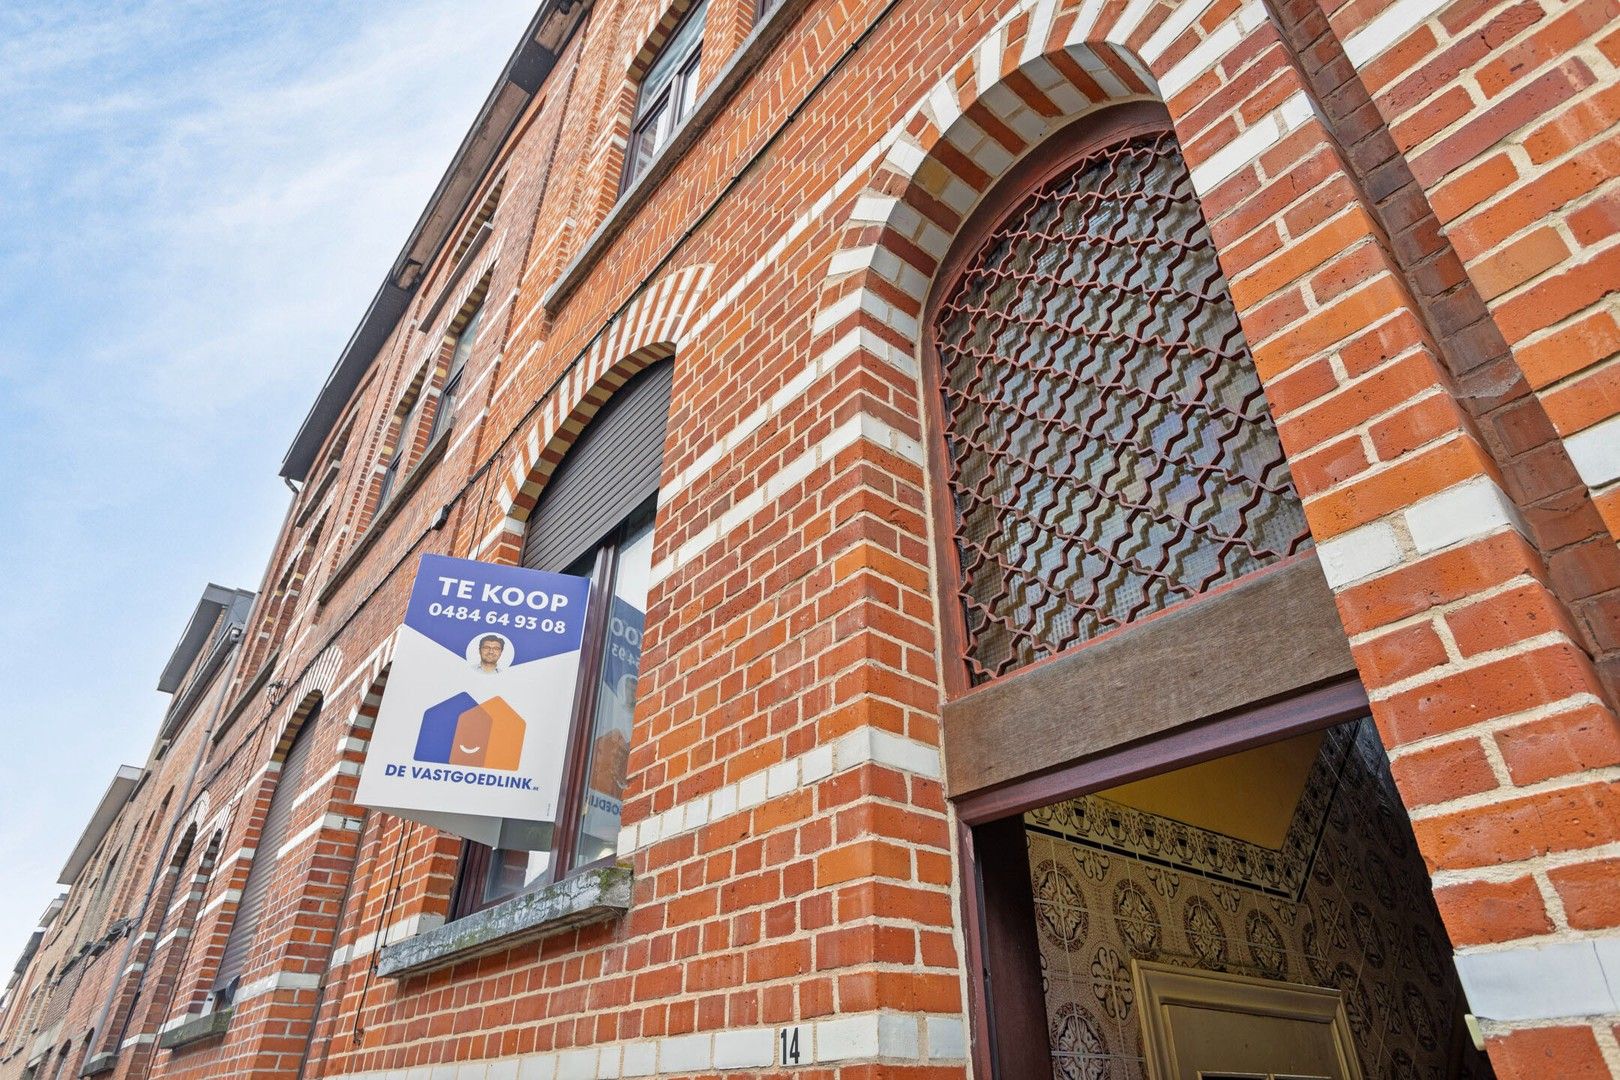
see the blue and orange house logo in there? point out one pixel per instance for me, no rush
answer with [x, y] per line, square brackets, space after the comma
[460, 731]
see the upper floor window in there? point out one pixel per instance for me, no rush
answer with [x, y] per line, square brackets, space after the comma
[668, 92]
[594, 519]
[446, 409]
[273, 832]
[407, 413]
[1107, 444]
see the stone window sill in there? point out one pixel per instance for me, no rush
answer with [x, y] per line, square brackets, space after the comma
[196, 1029]
[591, 896]
[103, 1062]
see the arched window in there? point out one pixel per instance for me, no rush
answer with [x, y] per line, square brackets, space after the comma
[1107, 447]
[668, 93]
[261, 875]
[595, 519]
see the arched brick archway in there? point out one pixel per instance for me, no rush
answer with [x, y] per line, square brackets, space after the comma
[1471, 666]
[650, 328]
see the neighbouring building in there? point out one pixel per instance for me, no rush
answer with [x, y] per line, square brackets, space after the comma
[1102, 518]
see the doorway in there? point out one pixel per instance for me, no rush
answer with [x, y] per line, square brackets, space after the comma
[1263, 913]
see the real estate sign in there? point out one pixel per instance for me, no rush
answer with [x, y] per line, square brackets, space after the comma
[473, 725]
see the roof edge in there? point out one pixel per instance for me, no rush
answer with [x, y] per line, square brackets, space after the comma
[106, 812]
[525, 72]
[215, 600]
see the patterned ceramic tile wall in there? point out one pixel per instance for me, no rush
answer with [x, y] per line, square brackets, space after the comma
[1346, 903]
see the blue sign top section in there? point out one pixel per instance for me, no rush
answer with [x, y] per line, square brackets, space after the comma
[465, 605]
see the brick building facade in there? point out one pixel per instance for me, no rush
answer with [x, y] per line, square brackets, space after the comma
[1017, 683]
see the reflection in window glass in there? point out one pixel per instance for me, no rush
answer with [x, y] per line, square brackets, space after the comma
[615, 701]
[621, 568]
[668, 92]
[452, 380]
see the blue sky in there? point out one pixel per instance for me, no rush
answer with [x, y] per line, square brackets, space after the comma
[197, 200]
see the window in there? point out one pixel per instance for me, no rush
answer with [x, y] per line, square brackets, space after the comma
[273, 833]
[452, 380]
[765, 8]
[1107, 446]
[402, 444]
[668, 92]
[594, 519]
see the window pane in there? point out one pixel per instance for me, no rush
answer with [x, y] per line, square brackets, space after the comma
[464, 342]
[523, 857]
[1110, 452]
[687, 37]
[388, 482]
[615, 701]
[646, 139]
[511, 870]
[452, 381]
[688, 88]
[446, 408]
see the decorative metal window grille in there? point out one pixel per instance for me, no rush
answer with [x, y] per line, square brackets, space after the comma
[1109, 451]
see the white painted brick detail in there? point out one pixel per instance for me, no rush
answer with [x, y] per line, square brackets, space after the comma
[858, 428]
[1172, 28]
[747, 1048]
[1387, 28]
[1543, 982]
[281, 980]
[1359, 553]
[578, 1064]
[849, 751]
[1266, 132]
[685, 1053]
[947, 1038]
[894, 1036]
[1471, 509]
[1596, 452]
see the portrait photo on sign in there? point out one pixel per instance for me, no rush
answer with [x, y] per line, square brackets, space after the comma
[490, 653]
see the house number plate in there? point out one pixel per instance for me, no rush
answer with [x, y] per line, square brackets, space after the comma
[789, 1048]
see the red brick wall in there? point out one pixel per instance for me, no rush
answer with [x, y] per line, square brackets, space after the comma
[1417, 260]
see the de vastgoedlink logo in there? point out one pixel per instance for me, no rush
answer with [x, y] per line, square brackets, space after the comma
[495, 621]
[461, 731]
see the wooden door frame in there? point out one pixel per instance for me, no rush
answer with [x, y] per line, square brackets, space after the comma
[1006, 1006]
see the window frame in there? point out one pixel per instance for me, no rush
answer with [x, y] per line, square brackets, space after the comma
[408, 414]
[1060, 151]
[461, 350]
[472, 869]
[673, 103]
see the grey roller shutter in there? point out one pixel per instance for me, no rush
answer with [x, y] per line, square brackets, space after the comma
[611, 469]
[262, 874]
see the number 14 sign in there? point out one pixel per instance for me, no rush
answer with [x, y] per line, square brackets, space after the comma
[787, 1044]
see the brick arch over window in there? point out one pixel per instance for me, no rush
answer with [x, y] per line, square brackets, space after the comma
[644, 49]
[650, 328]
[1106, 449]
[1413, 531]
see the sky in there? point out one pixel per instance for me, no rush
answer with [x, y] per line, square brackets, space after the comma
[198, 199]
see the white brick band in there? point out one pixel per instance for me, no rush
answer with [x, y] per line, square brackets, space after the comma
[880, 1036]
[866, 745]
[1543, 982]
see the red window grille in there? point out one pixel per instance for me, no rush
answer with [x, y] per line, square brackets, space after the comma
[1107, 444]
